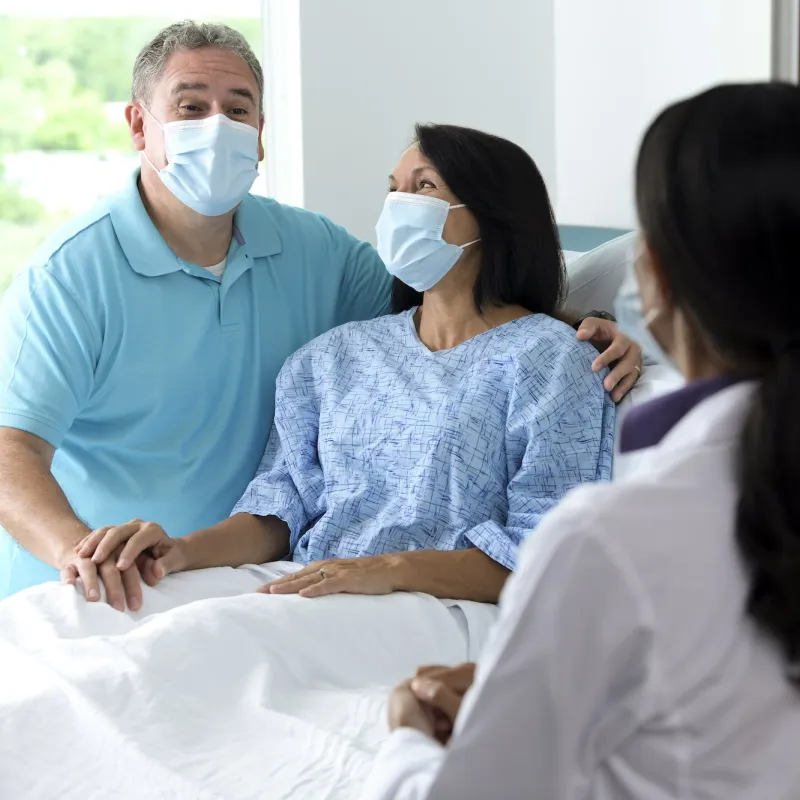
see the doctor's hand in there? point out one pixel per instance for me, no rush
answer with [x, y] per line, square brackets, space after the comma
[138, 546]
[613, 346]
[430, 702]
[366, 575]
[122, 588]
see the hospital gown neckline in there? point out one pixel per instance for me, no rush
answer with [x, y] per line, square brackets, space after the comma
[467, 342]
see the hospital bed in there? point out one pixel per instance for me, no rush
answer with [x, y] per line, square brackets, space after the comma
[214, 692]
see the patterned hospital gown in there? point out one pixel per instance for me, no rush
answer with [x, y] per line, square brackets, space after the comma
[380, 445]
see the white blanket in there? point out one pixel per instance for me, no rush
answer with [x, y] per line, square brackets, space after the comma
[238, 696]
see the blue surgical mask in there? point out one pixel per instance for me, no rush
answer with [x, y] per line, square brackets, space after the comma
[211, 162]
[636, 324]
[410, 239]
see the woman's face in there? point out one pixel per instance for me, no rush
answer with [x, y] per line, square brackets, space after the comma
[415, 174]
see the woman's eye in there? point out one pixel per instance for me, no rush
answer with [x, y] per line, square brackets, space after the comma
[239, 112]
[190, 109]
[424, 183]
[391, 189]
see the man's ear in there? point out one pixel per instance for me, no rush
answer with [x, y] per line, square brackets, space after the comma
[135, 119]
[261, 153]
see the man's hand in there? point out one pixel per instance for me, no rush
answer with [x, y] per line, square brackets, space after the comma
[621, 349]
[121, 587]
[138, 547]
[430, 702]
[366, 575]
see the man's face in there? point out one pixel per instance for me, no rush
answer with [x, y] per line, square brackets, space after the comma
[197, 84]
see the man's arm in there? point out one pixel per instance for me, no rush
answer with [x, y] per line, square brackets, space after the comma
[366, 287]
[48, 350]
[33, 509]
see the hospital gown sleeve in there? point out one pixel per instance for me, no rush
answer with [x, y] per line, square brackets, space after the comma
[559, 434]
[365, 291]
[289, 483]
[563, 682]
[48, 354]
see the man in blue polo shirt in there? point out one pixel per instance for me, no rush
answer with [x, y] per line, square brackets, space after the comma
[138, 353]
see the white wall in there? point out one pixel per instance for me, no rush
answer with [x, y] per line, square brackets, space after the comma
[372, 68]
[618, 63]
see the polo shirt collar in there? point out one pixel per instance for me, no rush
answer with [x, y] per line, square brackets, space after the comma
[647, 425]
[148, 253]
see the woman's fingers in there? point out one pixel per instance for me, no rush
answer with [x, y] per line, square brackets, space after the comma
[88, 544]
[296, 586]
[113, 539]
[437, 694]
[459, 678]
[148, 535]
[311, 569]
[146, 565]
[171, 561]
[338, 584]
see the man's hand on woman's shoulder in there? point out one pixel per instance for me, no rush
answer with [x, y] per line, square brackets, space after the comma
[614, 347]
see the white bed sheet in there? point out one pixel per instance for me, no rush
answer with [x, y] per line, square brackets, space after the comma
[235, 696]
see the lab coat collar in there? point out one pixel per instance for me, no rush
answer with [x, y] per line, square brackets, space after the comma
[646, 425]
[148, 253]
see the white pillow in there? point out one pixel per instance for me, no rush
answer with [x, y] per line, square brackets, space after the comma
[595, 277]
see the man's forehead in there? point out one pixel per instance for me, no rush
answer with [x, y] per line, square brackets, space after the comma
[203, 68]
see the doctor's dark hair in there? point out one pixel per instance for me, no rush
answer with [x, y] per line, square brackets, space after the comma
[718, 195]
[521, 260]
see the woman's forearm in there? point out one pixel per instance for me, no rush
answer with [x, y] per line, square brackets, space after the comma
[457, 575]
[238, 540]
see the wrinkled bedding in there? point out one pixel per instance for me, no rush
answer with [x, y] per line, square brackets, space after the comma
[210, 691]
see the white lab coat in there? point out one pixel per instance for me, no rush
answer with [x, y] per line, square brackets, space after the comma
[623, 666]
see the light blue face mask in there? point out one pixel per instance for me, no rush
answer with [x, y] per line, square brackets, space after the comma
[635, 324]
[410, 239]
[211, 162]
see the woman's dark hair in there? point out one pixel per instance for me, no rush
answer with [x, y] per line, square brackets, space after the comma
[521, 260]
[718, 195]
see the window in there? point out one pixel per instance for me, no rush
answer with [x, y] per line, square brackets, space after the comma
[64, 82]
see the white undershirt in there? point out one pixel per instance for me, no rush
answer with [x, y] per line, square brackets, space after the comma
[217, 269]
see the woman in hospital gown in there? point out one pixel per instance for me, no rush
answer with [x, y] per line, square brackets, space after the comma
[417, 451]
[649, 645]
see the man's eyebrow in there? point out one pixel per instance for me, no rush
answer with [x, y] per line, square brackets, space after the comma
[203, 87]
[188, 87]
[244, 93]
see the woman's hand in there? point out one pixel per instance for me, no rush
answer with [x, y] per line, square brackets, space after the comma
[366, 575]
[430, 702]
[621, 349]
[137, 545]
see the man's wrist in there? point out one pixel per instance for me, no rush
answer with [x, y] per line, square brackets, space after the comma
[63, 551]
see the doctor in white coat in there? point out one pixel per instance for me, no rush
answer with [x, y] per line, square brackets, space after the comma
[649, 644]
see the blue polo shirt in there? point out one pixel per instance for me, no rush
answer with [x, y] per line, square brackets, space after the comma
[154, 380]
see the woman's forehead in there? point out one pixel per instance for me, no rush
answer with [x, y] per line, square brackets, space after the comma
[412, 158]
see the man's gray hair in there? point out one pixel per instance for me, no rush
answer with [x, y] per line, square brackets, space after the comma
[183, 36]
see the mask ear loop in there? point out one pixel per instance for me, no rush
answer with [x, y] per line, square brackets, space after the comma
[474, 241]
[144, 154]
